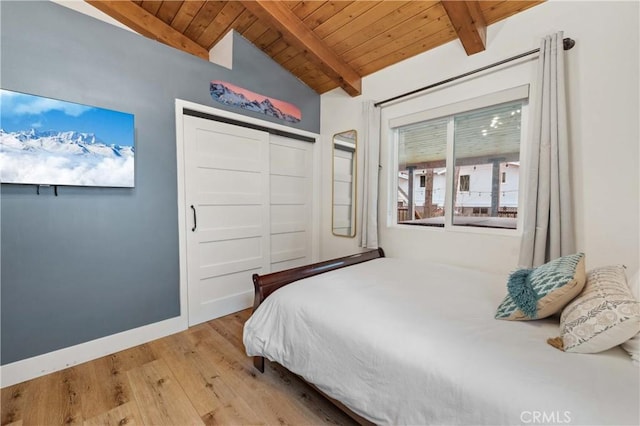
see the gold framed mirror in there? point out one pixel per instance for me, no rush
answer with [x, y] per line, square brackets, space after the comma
[344, 172]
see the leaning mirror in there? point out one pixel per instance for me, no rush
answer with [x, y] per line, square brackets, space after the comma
[344, 184]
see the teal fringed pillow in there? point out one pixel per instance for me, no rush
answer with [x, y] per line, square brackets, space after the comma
[543, 291]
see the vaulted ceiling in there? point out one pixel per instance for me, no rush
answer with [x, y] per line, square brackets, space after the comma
[326, 44]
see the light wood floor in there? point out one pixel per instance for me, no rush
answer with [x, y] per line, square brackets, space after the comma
[199, 376]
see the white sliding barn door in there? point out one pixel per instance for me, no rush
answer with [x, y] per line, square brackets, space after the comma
[227, 215]
[291, 175]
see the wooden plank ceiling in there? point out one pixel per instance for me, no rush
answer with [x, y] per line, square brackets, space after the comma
[326, 44]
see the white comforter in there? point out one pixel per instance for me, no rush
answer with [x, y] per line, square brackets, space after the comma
[405, 342]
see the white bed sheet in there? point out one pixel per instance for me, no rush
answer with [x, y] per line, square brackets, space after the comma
[406, 342]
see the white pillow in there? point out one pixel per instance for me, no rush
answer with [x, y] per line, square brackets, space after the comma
[633, 345]
[604, 315]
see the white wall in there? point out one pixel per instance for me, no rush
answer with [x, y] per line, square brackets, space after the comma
[602, 72]
[87, 9]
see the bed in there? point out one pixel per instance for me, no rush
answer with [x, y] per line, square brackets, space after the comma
[403, 342]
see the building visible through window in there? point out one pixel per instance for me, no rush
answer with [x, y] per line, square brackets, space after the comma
[486, 146]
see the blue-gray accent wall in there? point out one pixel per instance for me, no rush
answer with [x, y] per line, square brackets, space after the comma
[92, 262]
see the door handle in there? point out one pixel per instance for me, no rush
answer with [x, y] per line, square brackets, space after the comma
[195, 219]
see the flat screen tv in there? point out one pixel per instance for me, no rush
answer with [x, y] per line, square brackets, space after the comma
[46, 141]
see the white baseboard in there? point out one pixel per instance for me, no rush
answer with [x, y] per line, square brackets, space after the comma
[224, 306]
[37, 366]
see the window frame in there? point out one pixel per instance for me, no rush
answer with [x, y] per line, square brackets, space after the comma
[504, 96]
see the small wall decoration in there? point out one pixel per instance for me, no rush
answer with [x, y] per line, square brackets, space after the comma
[230, 94]
[46, 141]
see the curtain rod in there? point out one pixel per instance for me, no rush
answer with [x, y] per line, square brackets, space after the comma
[567, 43]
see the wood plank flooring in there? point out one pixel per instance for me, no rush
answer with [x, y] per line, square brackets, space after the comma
[198, 377]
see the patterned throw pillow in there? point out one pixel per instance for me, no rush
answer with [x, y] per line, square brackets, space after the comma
[605, 315]
[543, 291]
[633, 345]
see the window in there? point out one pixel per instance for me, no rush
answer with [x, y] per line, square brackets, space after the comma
[462, 161]
[464, 183]
[422, 145]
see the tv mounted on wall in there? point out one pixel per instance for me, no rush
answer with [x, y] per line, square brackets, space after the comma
[46, 141]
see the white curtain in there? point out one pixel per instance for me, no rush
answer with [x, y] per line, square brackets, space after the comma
[548, 216]
[371, 145]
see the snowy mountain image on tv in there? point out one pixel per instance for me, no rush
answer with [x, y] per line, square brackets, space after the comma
[45, 141]
[229, 94]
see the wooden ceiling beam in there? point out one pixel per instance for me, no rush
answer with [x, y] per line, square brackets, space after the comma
[469, 23]
[296, 33]
[141, 21]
